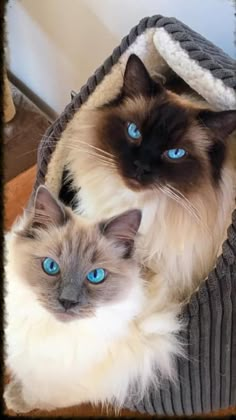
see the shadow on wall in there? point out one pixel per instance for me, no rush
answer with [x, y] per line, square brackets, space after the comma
[62, 22]
[55, 45]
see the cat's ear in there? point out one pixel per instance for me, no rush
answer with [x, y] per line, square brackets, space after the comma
[123, 229]
[47, 209]
[137, 80]
[221, 123]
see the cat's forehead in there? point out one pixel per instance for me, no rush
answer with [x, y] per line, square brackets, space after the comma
[74, 237]
[77, 237]
[169, 110]
[77, 240]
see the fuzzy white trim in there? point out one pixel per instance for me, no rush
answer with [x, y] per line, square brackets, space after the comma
[201, 80]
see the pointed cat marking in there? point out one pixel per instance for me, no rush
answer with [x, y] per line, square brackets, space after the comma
[116, 337]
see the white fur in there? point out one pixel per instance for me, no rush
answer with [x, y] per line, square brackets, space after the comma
[96, 359]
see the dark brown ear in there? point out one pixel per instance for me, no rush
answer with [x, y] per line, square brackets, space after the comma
[47, 209]
[221, 123]
[123, 229]
[137, 80]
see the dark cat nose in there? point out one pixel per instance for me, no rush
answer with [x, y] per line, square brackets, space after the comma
[69, 295]
[67, 304]
[142, 167]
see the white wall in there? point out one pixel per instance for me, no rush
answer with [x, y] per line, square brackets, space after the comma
[55, 45]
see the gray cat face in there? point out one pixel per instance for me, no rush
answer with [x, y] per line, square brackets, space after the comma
[72, 265]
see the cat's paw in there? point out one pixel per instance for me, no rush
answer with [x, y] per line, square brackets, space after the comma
[14, 399]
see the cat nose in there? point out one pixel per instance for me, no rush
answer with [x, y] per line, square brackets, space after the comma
[69, 296]
[142, 167]
[67, 304]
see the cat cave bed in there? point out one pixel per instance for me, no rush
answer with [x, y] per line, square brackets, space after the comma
[207, 378]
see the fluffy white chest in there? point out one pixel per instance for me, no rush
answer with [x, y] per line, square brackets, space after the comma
[68, 362]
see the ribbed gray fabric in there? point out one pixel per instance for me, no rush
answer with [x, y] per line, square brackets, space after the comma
[207, 379]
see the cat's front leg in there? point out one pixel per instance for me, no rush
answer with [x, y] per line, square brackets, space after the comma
[14, 399]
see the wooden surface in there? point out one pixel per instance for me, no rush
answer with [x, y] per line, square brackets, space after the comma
[9, 107]
[17, 192]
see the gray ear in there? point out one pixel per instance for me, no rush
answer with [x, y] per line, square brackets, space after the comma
[221, 123]
[47, 209]
[137, 80]
[123, 229]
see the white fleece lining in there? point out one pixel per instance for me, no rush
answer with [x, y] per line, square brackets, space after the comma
[201, 80]
[110, 86]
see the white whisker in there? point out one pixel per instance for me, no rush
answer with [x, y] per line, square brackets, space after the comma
[186, 203]
[179, 198]
[96, 148]
[97, 156]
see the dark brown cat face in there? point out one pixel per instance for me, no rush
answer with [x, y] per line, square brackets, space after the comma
[159, 139]
[73, 266]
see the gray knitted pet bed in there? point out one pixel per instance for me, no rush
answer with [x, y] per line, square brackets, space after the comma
[207, 380]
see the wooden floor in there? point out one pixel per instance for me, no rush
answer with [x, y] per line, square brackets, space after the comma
[17, 192]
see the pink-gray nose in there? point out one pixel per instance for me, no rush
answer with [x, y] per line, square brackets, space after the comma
[67, 304]
[69, 295]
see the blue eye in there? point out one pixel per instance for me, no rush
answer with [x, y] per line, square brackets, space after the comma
[176, 153]
[50, 266]
[133, 131]
[96, 276]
